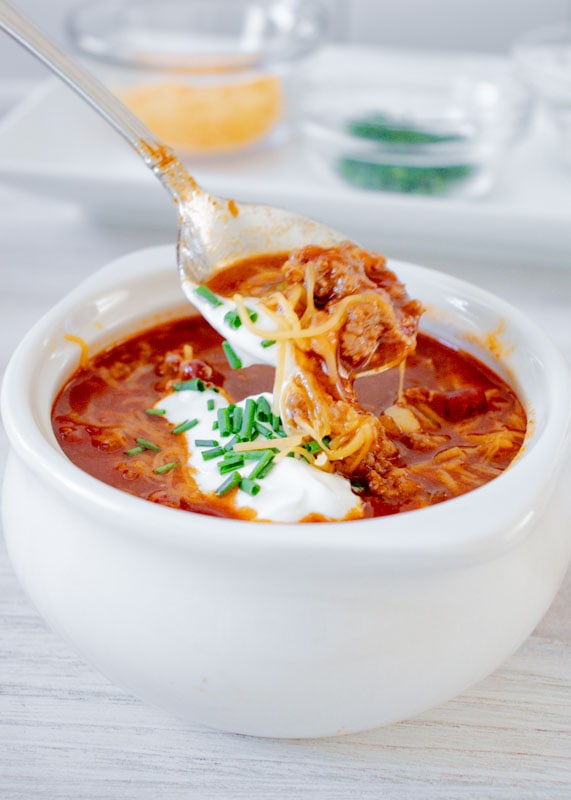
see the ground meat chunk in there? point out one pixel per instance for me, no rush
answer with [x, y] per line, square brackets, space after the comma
[360, 335]
[339, 271]
[367, 327]
[346, 270]
[383, 476]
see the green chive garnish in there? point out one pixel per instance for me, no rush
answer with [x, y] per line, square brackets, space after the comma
[261, 466]
[233, 458]
[166, 467]
[205, 443]
[269, 466]
[264, 430]
[134, 451]
[146, 445]
[155, 412]
[224, 421]
[185, 426]
[248, 419]
[193, 385]
[210, 404]
[232, 318]
[312, 447]
[215, 425]
[230, 483]
[254, 455]
[249, 486]
[267, 342]
[206, 294]
[229, 445]
[215, 452]
[263, 411]
[230, 465]
[237, 414]
[231, 356]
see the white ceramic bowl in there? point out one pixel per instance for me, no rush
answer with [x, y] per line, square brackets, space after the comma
[286, 630]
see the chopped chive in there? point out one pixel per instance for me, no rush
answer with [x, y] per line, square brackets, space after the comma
[230, 483]
[264, 430]
[193, 385]
[248, 419]
[276, 422]
[312, 447]
[358, 486]
[155, 412]
[237, 415]
[281, 433]
[215, 425]
[227, 466]
[249, 486]
[205, 443]
[224, 421]
[134, 451]
[185, 426]
[231, 356]
[267, 342]
[263, 410]
[254, 455]
[269, 466]
[166, 467]
[234, 458]
[210, 404]
[232, 318]
[266, 459]
[229, 445]
[206, 294]
[215, 452]
[146, 445]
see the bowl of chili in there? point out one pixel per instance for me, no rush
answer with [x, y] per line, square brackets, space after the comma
[281, 629]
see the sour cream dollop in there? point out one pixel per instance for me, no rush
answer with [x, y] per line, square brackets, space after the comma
[291, 491]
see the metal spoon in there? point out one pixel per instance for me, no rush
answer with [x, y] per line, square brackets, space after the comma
[212, 231]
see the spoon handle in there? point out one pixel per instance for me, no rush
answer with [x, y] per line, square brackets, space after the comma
[156, 155]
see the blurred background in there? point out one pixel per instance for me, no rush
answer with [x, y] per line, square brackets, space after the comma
[486, 25]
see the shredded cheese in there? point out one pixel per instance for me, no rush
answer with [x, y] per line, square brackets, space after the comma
[84, 349]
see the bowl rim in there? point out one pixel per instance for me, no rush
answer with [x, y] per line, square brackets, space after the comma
[415, 538]
[96, 46]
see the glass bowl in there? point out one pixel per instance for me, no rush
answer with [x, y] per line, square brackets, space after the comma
[432, 135]
[543, 58]
[206, 76]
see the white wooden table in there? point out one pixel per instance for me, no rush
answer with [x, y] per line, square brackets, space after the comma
[66, 732]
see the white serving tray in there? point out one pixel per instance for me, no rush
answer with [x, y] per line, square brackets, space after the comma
[54, 144]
